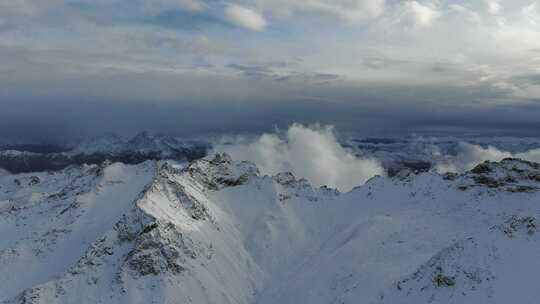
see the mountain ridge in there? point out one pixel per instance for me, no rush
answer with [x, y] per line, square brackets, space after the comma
[216, 231]
[143, 146]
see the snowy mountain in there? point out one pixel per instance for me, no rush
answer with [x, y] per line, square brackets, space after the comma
[423, 153]
[144, 143]
[144, 146]
[109, 143]
[216, 231]
[147, 143]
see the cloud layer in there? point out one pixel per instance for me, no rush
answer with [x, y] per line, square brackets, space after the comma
[343, 10]
[423, 15]
[309, 152]
[357, 57]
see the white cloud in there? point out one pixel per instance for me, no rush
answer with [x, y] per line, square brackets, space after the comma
[532, 14]
[107, 34]
[457, 7]
[352, 11]
[245, 17]
[347, 10]
[424, 16]
[310, 152]
[470, 15]
[154, 7]
[531, 155]
[494, 7]
[468, 156]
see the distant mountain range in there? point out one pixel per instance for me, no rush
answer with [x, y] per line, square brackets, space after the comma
[417, 154]
[144, 146]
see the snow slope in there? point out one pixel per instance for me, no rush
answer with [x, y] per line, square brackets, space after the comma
[216, 231]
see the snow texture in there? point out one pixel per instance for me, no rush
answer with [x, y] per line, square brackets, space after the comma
[217, 231]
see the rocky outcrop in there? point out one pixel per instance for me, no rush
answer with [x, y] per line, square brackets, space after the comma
[455, 267]
[512, 175]
[218, 172]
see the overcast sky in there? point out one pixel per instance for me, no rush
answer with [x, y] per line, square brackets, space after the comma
[72, 68]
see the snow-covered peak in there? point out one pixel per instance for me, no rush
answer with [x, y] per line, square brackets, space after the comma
[147, 143]
[109, 143]
[216, 231]
[144, 144]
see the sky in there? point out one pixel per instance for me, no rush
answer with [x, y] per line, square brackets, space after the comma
[75, 68]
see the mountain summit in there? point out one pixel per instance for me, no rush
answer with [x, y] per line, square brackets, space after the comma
[216, 231]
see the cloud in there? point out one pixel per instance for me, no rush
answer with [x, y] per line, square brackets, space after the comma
[281, 73]
[470, 15]
[531, 155]
[245, 17]
[381, 62]
[156, 7]
[532, 13]
[19, 8]
[468, 156]
[251, 71]
[424, 16]
[494, 7]
[346, 10]
[309, 152]
[526, 79]
[362, 52]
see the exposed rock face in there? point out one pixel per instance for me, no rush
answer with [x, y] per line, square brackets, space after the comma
[219, 172]
[160, 250]
[293, 188]
[516, 223]
[411, 166]
[216, 231]
[513, 175]
[285, 178]
[453, 267]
